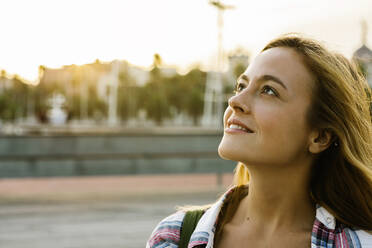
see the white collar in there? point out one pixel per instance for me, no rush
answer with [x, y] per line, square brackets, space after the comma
[325, 217]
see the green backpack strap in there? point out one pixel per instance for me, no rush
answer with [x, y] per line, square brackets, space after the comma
[189, 223]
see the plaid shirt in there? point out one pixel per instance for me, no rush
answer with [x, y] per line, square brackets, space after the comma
[325, 233]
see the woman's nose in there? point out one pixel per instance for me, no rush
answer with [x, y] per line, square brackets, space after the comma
[236, 103]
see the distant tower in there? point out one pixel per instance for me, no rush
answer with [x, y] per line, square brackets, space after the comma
[364, 32]
[213, 98]
[364, 55]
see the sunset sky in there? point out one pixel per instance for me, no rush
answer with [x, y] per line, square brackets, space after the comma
[55, 32]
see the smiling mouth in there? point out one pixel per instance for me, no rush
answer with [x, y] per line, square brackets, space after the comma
[235, 127]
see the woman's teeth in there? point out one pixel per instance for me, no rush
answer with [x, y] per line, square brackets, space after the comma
[234, 126]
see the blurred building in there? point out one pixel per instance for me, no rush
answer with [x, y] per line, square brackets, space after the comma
[72, 77]
[77, 83]
[364, 55]
[139, 74]
[94, 85]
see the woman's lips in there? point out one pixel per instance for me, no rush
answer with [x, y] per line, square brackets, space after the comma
[234, 130]
[234, 123]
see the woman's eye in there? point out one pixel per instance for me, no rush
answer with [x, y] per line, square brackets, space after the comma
[268, 90]
[239, 87]
[265, 89]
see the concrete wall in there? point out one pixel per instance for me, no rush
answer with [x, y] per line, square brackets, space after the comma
[47, 156]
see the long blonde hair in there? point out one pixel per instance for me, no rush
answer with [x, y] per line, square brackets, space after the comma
[341, 175]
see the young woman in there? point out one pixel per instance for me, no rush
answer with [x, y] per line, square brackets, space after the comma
[300, 127]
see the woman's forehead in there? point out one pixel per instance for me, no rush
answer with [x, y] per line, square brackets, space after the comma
[283, 63]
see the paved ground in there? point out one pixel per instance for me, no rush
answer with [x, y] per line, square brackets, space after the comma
[100, 188]
[95, 212]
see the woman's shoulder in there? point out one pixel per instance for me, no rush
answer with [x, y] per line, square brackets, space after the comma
[327, 227]
[167, 232]
[352, 237]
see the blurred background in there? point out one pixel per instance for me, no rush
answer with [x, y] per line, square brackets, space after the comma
[111, 111]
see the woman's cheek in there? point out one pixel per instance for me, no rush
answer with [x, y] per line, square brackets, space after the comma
[267, 118]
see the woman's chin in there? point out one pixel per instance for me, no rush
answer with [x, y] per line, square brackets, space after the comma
[227, 153]
[221, 153]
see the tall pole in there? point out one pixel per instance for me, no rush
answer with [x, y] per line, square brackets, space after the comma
[219, 39]
[113, 93]
[220, 65]
[214, 88]
[220, 8]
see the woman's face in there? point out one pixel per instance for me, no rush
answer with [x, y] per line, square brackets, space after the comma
[272, 99]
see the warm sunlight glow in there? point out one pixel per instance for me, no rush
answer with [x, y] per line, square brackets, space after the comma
[56, 33]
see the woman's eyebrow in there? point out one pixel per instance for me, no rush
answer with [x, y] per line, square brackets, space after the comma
[272, 78]
[243, 77]
[263, 78]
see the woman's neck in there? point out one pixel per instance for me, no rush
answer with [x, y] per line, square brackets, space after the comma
[278, 199]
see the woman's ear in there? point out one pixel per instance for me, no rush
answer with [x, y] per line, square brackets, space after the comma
[319, 141]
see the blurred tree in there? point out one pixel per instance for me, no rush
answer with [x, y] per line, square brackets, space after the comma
[157, 60]
[154, 97]
[77, 103]
[97, 108]
[185, 93]
[175, 93]
[194, 86]
[20, 89]
[128, 94]
[13, 99]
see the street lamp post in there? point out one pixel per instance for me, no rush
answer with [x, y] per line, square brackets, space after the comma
[214, 95]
